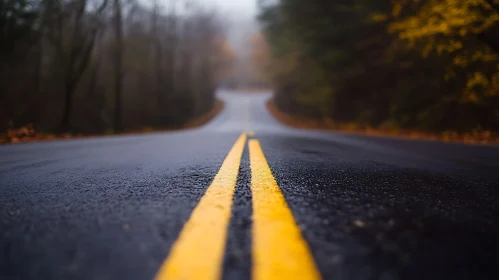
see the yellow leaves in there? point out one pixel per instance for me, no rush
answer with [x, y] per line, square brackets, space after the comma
[484, 56]
[463, 32]
[379, 17]
[461, 60]
[444, 27]
[450, 47]
[479, 86]
[427, 49]
[477, 79]
[470, 97]
[464, 59]
[397, 8]
[446, 17]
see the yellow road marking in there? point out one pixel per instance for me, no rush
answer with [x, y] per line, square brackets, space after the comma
[279, 250]
[198, 251]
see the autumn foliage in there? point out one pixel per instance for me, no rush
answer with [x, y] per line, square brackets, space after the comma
[428, 65]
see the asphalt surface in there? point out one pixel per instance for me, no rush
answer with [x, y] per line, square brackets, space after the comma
[368, 207]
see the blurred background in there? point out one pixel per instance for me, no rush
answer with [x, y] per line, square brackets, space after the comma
[106, 66]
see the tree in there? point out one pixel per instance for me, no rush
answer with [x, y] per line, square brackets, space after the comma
[260, 56]
[18, 20]
[70, 56]
[118, 60]
[74, 51]
[429, 65]
[466, 31]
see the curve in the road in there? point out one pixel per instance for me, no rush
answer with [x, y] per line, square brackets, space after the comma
[361, 207]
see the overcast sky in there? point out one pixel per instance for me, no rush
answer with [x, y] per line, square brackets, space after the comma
[245, 8]
[240, 16]
[241, 19]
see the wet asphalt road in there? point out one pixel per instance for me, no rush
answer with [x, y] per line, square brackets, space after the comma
[369, 208]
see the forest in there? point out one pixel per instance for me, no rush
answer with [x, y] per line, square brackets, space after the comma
[427, 65]
[106, 66]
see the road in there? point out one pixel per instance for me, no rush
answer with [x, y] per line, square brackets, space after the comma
[271, 203]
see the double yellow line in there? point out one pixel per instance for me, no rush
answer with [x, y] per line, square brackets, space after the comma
[278, 248]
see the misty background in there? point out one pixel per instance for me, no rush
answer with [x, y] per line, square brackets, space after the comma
[105, 66]
[242, 29]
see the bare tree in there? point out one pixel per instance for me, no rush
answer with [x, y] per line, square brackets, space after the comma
[76, 58]
[118, 64]
[172, 46]
[78, 51]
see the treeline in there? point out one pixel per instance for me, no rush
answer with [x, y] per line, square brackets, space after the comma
[429, 65]
[94, 66]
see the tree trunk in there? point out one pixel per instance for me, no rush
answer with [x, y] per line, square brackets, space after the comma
[118, 66]
[68, 105]
[158, 58]
[160, 88]
[3, 101]
[36, 89]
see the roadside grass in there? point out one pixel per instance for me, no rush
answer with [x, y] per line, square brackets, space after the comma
[29, 134]
[475, 137]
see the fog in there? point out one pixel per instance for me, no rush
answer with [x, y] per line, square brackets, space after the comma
[245, 8]
[241, 25]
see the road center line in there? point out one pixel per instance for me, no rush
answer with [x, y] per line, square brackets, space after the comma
[279, 250]
[198, 251]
